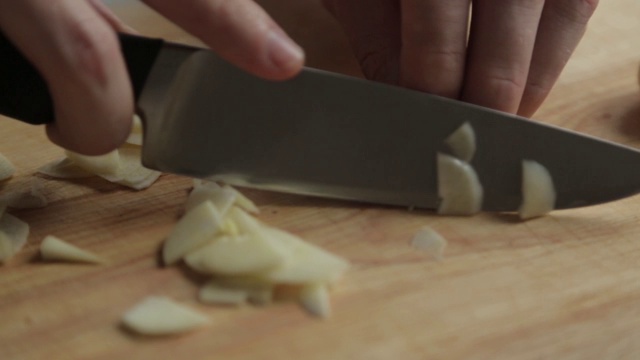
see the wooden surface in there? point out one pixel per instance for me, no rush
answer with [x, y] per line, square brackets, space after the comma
[563, 286]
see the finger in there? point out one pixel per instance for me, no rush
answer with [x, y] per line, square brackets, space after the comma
[79, 57]
[434, 40]
[499, 53]
[111, 18]
[373, 29]
[240, 32]
[562, 25]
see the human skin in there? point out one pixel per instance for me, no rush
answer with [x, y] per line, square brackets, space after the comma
[516, 50]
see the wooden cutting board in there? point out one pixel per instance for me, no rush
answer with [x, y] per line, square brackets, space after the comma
[563, 286]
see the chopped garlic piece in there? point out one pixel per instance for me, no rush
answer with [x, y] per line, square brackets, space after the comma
[6, 168]
[100, 165]
[459, 189]
[158, 315]
[223, 197]
[240, 255]
[242, 201]
[53, 248]
[15, 232]
[130, 171]
[315, 299]
[122, 166]
[245, 222]
[135, 137]
[248, 259]
[64, 169]
[538, 191]
[195, 229]
[307, 263]
[213, 293]
[462, 142]
[430, 241]
[259, 291]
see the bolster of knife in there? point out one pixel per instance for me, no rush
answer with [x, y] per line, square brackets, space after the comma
[24, 94]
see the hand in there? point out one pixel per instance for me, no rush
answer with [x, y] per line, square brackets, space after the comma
[516, 48]
[73, 45]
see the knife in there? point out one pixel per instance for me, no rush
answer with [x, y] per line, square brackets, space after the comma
[329, 135]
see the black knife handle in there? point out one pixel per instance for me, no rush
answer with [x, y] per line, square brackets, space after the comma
[24, 95]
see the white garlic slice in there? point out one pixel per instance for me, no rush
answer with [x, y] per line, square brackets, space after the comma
[55, 249]
[315, 299]
[159, 315]
[136, 134]
[100, 165]
[538, 191]
[459, 188]
[430, 241]
[462, 142]
[213, 293]
[130, 171]
[196, 228]
[64, 168]
[307, 263]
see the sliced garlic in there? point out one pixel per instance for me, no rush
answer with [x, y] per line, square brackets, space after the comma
[158, 315]
[100, 165]
[122, 166]
[135, 137]
[538, 191]
[459, 189]
[245, 222]
[15, 232]
[248, 259]
[307, 263]
[315, 299]
[130, 171]
[194, 230]
[241, 255]
[54, 249]
[64, 169]
[223, 197]
[430, 241]
[213, 293]
[242, 201]
[251, 251]
[6, 168]
[462, 142]
[259, 291]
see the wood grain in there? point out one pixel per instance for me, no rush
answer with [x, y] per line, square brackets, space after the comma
[563, 286]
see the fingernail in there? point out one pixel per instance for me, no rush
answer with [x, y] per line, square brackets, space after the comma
[283, 52]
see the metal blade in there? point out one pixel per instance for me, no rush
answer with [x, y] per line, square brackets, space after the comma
[334, 136]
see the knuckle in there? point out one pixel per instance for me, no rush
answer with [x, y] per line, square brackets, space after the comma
[379, 64]
[506, 84]
[378, 56]
[577, 11]
[502, 92]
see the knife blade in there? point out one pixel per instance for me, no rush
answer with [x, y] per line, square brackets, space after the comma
[331, 135]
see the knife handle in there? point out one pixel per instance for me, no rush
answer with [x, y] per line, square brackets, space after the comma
[24, 94]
